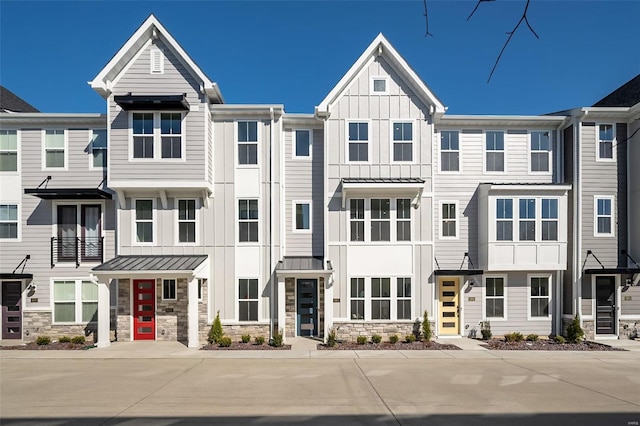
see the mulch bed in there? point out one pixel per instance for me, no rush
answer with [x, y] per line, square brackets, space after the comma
[53, 346]
[546, 345]
[239, 346]
[387, 346]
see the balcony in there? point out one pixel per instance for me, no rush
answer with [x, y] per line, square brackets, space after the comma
[77, 250]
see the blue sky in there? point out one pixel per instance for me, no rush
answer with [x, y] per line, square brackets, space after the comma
[295, 52]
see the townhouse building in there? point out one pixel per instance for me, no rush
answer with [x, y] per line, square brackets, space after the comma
[146, 222]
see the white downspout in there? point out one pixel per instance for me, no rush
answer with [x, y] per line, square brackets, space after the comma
[271, 228]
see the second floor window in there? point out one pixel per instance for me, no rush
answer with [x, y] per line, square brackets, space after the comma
[303, 144]
[187, 221]
[157, 135]
[248, 220]
[54, 149]
[604, 216]
[494, 161]
[303, 216]
[380, 220]
[549, 219]
[605, 142]
[8, 151]
[247, 142]
[449, 219]
[449, 151]
[356, 219]
[143, 135]
[540, 151]
[171, 134]
[504, 219]
[403, 216]
[527, 219]
[144, 221]
[402, 141]
[358, 141]
[8, 221]
[99, 148]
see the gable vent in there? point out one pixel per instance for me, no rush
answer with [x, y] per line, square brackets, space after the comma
[157, 61]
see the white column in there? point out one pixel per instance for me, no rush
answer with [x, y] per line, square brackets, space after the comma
[192, 314]
[104, 317]
[328, 305]
[282, 316]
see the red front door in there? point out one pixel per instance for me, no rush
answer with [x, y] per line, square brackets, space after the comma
[144, 310]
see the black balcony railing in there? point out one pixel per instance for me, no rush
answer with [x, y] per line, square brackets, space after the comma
[77, 250]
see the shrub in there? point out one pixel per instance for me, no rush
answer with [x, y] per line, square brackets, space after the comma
[532, 337]
[246, 338]
[43, 340]
[224, 342]
[376, 338]
[559, 339]
[216, 333]
[485, 329]
[513, 337]
[331, 338]
[410, 338]
[277, 339]
[427, 334]
[64, 339]
[361, 340]
[259, 340]
[393, 339]
[78, 340]
[575, 333]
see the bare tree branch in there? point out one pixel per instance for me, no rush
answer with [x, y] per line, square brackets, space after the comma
[426, 18]
[627, 139]
[511, 33]
[476, 8]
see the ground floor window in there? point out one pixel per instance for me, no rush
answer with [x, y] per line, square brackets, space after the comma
[248, 299]
[539, 296]
[494, 297]
[74, 301]
[380, 298]
[168, 289]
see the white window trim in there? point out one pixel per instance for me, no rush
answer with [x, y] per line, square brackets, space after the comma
[611, 198]
[18, 170]
[177, 221]
[484, 153]
[19, 221]
[294, 145]
[484, 298]
[386, 84]
[549, 297]
[237, 303]
[541, 220]
[403, 298]
[613, 143]
[515, 220]
[514, 213]
[393, 221]
[393, 298]
[349, 220]
[537, 219]
[77, 300]
[412, 141]
[237, 143]
[175, 283]
[294, 228]
[457, 219]
[439, 151]
[44, 150]
[91, 149]
[155, 50]
[154, 221]
[157, 138]
[346, 139]
[237, 222]
[531, 151]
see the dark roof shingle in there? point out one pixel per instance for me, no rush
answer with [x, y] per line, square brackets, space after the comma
[9, 102]
[624, 96]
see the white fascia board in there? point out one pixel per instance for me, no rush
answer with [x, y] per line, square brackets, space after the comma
[247, 109]
[501, 120]
[301, 120]
[53, 118]
[529, 188]
[102, 276]
[303, 273]
[380, 46]
[381, 187]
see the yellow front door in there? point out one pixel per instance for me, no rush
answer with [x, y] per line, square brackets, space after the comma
[449, 315]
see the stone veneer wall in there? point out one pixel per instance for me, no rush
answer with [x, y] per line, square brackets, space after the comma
[123, 326]
[629, 329]
[290, 306]
[589, 329]
[349, 331]
[203, 316]
[171, 315]
[38, 323]
[235, 331]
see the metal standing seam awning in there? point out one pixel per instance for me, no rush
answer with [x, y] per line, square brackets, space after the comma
[412, 187]
[14, 276]
[153, 102]
[68, 193]
[302, 266]
[165, 265]
[455, 272]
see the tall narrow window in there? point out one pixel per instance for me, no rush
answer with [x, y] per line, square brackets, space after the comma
[403, 293]
[540, 151]
[549, 219]
[89, 301]
[604, 216]
[358, 141]
[143, 135]
[8, 221]
[605, 142]
[494, 297]
[356, 214]
[527, 219]
[248, 300]
[504, 219]
[402, 141]
[187, 221]
[99, 148]
[380, 220]
[403, 225]
[357, 298]
[247, 142]
[303, 217]
[449, 220]
[168, 289]
[539, 296]
[54, 149]
[494, 152]
[64, 301]
[144, 221]
[380, 298]
[8, 151]
[449, 151]
[303, 144]
[171, 134]
[248, 220]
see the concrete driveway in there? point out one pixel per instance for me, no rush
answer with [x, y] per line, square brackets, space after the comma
[428, 391]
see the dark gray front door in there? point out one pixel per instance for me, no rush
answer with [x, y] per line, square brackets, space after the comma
[307, 308]
[605, 305]
[11, 310]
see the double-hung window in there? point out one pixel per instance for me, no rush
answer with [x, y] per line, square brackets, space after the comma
[99, 148]
[605, 142]
[54, 149]
[380, 298]
[357, 298]
[539, 297]
[187, 221]
[494, 150]
[449, 151]
[157, 134]
[142, 134]
[248, 299]
[449, 220]
[8, 150]
[494, 297]
[549, 219]
[402, 141]
[527, 219]
[247, 142]
[504, 219]
[8, 221]
[171, 134]
[603, 216]
[248, 220]
[540, 151]
[144, 221]
[403, 295]
[75, 301]
[380, 220]
[302, 144]
[169, 290]
[403, 219]
[303, 216]
[356, 219]
[358, 141]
